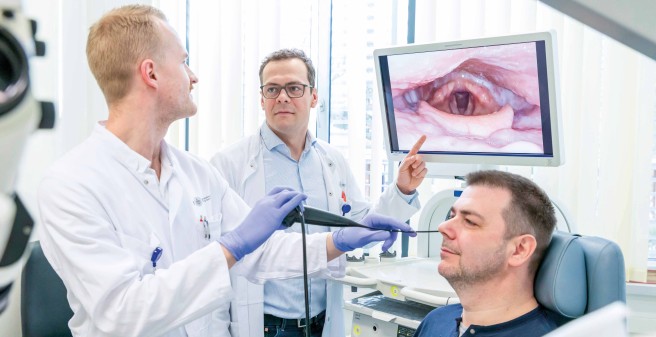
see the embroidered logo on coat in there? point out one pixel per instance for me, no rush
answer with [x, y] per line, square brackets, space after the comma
[199, 201]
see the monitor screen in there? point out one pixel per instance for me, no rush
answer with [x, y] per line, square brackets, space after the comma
[489, 101]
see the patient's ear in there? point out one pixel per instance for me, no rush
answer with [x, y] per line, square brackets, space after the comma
[523, 248]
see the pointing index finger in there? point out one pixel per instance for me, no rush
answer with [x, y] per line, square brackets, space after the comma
[417, 146]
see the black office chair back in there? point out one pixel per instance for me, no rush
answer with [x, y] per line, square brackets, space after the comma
[45, 311]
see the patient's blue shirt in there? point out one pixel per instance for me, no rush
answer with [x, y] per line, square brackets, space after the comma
[444, 322]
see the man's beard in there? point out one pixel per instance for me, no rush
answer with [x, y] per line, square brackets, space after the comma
[483, 270]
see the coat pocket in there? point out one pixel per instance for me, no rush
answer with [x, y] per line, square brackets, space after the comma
[141, 250]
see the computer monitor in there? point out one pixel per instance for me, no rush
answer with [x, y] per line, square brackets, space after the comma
[488, 101]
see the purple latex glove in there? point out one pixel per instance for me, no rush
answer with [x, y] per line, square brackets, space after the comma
[350, 238]
[265, 218]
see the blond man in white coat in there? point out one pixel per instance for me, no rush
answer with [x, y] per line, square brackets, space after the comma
[285, 152]
[142, 234]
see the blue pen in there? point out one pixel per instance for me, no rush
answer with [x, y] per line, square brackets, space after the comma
[157, 253]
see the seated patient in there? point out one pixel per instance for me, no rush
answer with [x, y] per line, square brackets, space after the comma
[495, 237]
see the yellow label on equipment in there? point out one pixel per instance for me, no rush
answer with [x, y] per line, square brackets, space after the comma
[394, 290]
[356, 330]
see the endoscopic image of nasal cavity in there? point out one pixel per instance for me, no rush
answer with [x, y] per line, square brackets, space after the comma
[483, 99]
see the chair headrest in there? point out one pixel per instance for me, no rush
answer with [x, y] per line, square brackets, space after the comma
[580, 274]
[561, 281]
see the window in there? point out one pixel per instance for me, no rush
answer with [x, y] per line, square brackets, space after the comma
[358, 27]
[227, 40]
[652, 210]
[340, 36]
[605, 182]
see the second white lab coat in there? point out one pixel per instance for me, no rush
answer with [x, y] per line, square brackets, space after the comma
[242, 166]
[102, 219]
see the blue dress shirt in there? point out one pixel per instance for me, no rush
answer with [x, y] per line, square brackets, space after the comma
[286, 298]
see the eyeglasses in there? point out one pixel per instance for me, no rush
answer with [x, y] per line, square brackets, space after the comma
[293, 90]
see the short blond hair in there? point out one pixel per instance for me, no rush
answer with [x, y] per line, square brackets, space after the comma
[118, 42]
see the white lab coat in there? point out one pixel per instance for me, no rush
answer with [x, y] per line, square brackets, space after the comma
[242, 166]
[101, 222]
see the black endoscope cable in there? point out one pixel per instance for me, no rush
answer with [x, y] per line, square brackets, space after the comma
[305, 278]
[377, 229]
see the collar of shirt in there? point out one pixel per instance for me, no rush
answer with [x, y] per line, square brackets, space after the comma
[529, 320]
[130, 158]
[273, 143]
[168, 163]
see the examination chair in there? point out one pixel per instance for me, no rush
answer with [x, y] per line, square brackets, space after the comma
[44, 308]
[580, 274]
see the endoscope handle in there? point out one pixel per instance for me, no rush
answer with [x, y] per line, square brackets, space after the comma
[314, 216]
[293, 217]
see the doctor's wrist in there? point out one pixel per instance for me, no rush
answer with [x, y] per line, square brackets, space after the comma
[406, 193]
[230, 259]
[234, 244]
[331, 251]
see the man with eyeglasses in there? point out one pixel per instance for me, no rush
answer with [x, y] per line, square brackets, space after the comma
[145, 236]
[285, 153]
